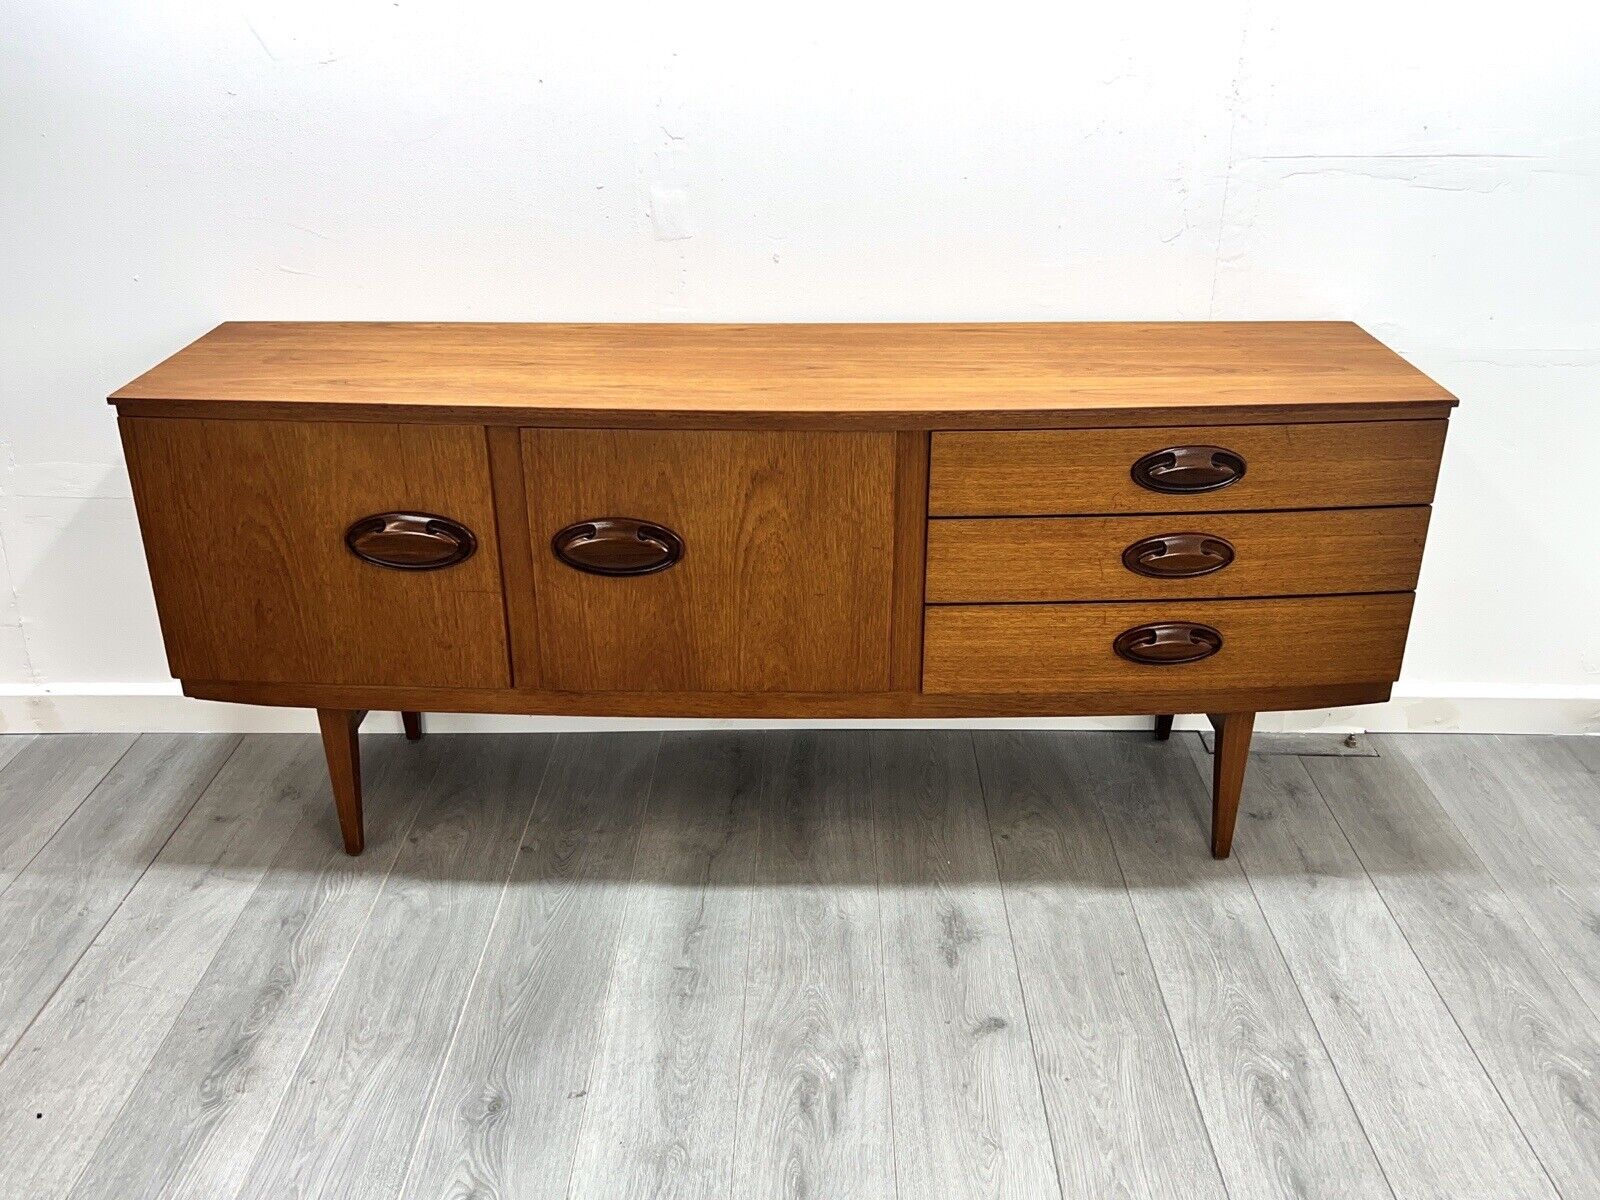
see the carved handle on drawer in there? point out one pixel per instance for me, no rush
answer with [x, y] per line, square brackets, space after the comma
[1178, 555]
[1168, 643]
[1189, 469]
[408, 541]
[617, 546]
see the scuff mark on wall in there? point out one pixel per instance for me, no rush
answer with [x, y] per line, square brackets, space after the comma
[668, 192]
[1440, 172]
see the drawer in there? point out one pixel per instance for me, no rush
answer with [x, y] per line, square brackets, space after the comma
[1202, 468]
[1011, 559]
[249, 525]
[1064, 648]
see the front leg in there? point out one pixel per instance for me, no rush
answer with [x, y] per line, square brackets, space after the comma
[343, 749]
[1228, 761]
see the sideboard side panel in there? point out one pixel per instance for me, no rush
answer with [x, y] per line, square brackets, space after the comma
[244, 525]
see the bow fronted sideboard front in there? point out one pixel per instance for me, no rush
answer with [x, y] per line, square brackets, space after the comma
[875, 521]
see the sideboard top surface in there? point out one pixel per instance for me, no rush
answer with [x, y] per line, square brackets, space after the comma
[861, 376]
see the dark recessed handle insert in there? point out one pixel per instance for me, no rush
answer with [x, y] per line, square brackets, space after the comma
[1189, 469]
[617, 546]
[409, 541]
[1168, 643]
[1178, 555]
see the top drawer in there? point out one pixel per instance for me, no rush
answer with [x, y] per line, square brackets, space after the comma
[1201, 468]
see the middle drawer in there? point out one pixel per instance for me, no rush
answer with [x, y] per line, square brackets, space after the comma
[999, 560]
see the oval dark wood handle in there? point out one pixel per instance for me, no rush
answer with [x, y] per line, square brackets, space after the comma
[410, 541]
[1189, 469]
[617, 546]
[1167, 643]
[1178, 555]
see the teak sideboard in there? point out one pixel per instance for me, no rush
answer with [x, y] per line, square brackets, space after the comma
[870, 521]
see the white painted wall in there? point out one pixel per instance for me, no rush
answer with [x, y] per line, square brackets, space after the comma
[169, 166]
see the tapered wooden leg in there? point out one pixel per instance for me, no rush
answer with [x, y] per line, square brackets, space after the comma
[1163, 727]
[413, 723]
[340, 744]
[1227, 776]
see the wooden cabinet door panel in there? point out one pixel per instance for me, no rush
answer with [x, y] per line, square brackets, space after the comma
[244, 524]
[787, 576]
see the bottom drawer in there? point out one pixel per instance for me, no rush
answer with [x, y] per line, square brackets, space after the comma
[1063, 648]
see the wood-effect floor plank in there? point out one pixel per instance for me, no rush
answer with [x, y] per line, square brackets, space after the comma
[198, 1114]
[814, 1105]
[511, 1098]
[1123, 1116]
[1435, 1120]
[13, 744]
[1531, 813]
[348, 1123]
[969, 1119]
[86, 1050]
[1529, 1027]
[1585, 749]
[60, 902]
[1279, 1119]
[663, 1097]
[42, 785]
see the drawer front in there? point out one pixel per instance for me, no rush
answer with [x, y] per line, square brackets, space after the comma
[1012, 559]
[264, 572]
[1064, 648]
[1057, 472]
[766, 561]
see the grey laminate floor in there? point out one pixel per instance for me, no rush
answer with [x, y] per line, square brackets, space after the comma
[832, 965]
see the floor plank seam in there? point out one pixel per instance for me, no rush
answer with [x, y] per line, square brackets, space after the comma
[1556, 951]
[90, 942]
[763, 798]
[1494, 1083]
[611, 976]
[82, 800]
[1161, 993]
[314, 1026]
[432, 1098]
[883, 983]
[1016, 965]
[1305, 1006]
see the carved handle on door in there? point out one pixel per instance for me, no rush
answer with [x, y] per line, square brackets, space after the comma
[1168, 643]
[1180, 469]
[1178, 555]
[617, 546]
[409, 541]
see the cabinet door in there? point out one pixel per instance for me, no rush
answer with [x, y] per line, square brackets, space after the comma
[786, 575]
[245, 526]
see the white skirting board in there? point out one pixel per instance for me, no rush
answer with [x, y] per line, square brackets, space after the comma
[1416, 708]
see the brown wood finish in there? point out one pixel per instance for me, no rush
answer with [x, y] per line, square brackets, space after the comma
[1033, 647]
[910, 560]
[744, 521]
[244, 525]
[1227, 776]
[516, 554]
[786, 581]
[1100, 701]
[831, 376]
[341, 744]
[1016, 559]
[1055, 472]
